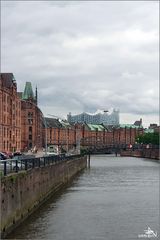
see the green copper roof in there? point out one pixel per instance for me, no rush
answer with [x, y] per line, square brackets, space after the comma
[129, 126]
[28, 92]
[94, 127]
[149, 130]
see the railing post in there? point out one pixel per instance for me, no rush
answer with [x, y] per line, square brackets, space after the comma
[5, 168]
[33, 163]
[16, 165]
[26, 165]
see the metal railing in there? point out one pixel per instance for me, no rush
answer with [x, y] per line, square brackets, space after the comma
[9, 166]
[118, 147]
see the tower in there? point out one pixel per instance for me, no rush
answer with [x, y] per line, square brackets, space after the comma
[28, 93]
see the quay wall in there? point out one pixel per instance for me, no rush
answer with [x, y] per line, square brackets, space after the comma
[144, 153]
[22, 193]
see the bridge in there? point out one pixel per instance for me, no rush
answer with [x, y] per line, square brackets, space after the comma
[117, 148]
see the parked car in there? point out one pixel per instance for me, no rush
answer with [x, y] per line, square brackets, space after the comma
[2, 156]
[17, 154]
[11, 165]
[50, 153]
[8, 154]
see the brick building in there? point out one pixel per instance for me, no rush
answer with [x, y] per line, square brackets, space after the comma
[59, 133]
[10, 114]
[23, 127]
[154, 127]
[31, 120]
[88, 135]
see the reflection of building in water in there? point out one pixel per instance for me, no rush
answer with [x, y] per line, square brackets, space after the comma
[97, 118]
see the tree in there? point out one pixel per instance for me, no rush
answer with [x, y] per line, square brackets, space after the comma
[152, 138]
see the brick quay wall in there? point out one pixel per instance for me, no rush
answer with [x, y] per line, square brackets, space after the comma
[22, 193]
[143, 153]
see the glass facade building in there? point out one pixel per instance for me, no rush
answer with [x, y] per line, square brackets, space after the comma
[97, 118]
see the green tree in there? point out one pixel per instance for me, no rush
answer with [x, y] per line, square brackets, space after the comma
[147, 138]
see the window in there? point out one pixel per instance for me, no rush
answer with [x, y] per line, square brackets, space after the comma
[30, 121]
[30, 145]
[30, 137]
[30, 129]
[30, 115]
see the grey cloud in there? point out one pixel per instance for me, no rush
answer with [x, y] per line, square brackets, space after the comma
[84, 55]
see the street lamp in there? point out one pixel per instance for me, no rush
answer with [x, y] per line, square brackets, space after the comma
[45, 126]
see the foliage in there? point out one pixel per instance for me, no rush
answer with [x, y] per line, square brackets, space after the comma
[147, 138]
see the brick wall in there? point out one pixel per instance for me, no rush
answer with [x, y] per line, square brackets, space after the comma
[10, 114]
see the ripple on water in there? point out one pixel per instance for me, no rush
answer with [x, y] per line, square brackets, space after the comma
[116, 199]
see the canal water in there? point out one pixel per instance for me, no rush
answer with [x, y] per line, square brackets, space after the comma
[116, 199]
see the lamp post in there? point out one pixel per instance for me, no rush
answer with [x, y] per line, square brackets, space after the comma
[45, 127]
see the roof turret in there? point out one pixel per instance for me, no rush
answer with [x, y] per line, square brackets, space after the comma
[28, 92]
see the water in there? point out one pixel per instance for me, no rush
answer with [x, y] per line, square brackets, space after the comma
[116, 199]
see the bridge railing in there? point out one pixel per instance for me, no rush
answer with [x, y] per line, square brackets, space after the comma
[9, 166]
[118, 147]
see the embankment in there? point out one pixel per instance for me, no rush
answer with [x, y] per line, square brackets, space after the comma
[144, 153]
[22, 193]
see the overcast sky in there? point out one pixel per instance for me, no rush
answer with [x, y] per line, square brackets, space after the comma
[85, 56]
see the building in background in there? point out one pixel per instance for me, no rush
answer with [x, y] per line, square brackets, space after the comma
[60, 134]
[10, 114]
[23, 126]
[100, 117]
[154, 127]
[138, 123]
[31, 120]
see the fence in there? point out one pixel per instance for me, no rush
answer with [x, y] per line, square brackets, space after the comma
[9, 166]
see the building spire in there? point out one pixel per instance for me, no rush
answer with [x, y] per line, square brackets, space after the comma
[36, 95]
[28, 92]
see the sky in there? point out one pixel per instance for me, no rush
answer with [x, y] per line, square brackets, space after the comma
[85, 55]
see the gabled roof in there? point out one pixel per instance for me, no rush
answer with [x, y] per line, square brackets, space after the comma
[94, 127]
[28, 92]
[65, 124]
[137, 123]
[7, 79]
[53, 123]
